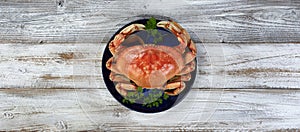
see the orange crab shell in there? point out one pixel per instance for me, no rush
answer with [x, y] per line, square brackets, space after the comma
[149, 66]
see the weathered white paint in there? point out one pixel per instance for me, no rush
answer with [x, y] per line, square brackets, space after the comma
[82, 21]
[50, 65]
[220, 65]
[96, 109]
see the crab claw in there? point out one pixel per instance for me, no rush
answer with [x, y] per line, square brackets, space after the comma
[183, 37]
[180, 33]
[132, 28]
[173, 26]
[119, 38]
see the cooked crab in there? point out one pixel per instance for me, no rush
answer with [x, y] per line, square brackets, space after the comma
[151, 66]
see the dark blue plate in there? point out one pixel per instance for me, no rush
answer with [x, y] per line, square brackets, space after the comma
[162, 101]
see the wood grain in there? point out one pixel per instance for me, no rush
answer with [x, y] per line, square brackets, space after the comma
[220, 66]
[95, 109]
[82, 21]
[247, 77]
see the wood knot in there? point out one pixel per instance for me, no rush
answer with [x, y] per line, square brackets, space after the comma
[8, 115]
[104, 127]
[66, 56]
[62, 125]
[60, 3]
[49, 77]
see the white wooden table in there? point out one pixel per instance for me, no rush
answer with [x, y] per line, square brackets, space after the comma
[248, 74]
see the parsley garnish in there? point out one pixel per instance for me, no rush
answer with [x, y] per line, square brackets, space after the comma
[151, 24]
[153, 98]
[152, 30]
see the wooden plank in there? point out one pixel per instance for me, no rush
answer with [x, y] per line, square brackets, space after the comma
[96, 109]
[77, 21]
[220, 65]
[51, 53]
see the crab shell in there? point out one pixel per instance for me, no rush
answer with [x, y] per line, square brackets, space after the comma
[135, 63]
[150, 66]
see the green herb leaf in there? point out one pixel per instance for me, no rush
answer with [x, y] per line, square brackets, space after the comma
[149, 105]
[151, 23]
[131, 101]
[166, 96]
[140, 89]
[130, 94]
[160, 100]
[156, 104]
[151, 28]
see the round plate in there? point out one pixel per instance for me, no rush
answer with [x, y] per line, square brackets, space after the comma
[144, 99]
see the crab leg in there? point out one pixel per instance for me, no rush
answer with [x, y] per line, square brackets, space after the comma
[123, 87]
[110, 66]
[188, 68]
[115, 43]
[174, 88]
[190, 55]
[185, 77]
[118, 78]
